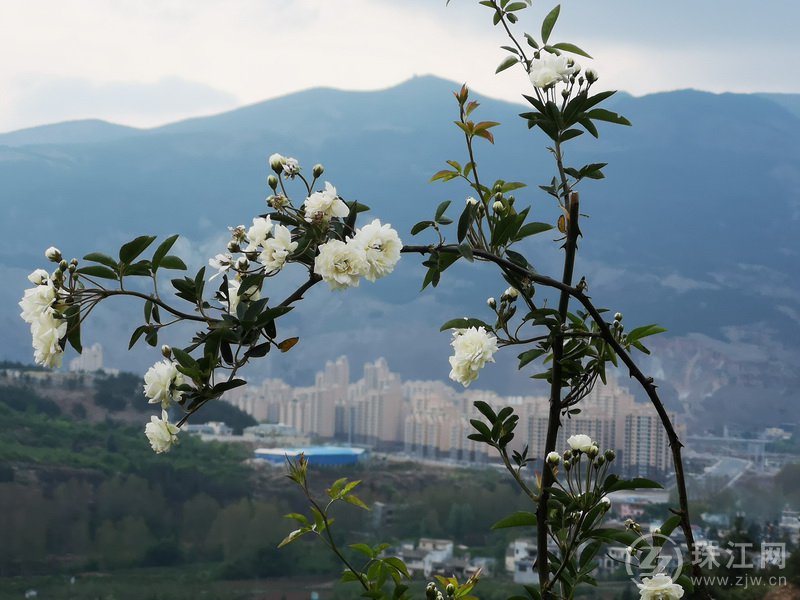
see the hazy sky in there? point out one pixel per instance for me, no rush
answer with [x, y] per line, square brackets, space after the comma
[146, 62]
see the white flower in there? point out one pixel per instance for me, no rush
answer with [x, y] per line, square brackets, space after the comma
[47, 332]
[276, 162]
[161, 433]
[221, 262]
[474, 347]
[511, 293]
[580, 442]
[53, 253]
[554, 458]
[291, 167]
[39, 277]
[323, 206]
[659, 587]
[340, 265]
[381, 246]
[36, 301]
[160, 382]
[258, 233]
[234, 297]
[276, 249]
[498, 207]
[550, 69]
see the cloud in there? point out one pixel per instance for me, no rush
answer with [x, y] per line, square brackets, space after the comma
[683, 284]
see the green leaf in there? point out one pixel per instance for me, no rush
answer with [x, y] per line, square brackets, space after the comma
[355, 501]
[509, 61]
[670, 524]
[421, 226]
[566, 47]
[97, 271]
[464, 223]
[130, 251]
[532, 229]
[463, 323]
[440, 209]
[528, 356]
[517, 519]
[364, 549]
[162, 250]
[465, 249]
[103, 259]
[644, 331]
[482, 428]
[184, 359]
[137, 333]
[601, 114]
[636, 483]
[485, 410]
[549, 22]
[293, 536]
[172, 262]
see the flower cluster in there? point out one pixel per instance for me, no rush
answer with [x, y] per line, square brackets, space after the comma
[473, 347]
[268, 244]
[371, 253]
[39, 306]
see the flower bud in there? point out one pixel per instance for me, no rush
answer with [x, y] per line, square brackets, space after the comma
[63, 265]
[554, 458]
[166, 351]
[657, 531]
[276, 162]
[233, 246]
[591, 76]
[565, 93]
[610, 455]
[491, 303]
[599, 462]
[317, 170]
[498, 207]
[72, 267]
[510, 294]
[618, 316]
[567, 455]
[567, 465]
[607, 501]
[272, 182]
[576, 68]
[242, 263]
[592, 451]
[53, 254]
[472, 201]
[450, 589]
[74, 261]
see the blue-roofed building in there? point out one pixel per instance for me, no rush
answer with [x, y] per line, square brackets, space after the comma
[317, 455]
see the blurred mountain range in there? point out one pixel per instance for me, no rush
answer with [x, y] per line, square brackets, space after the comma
[695, 227]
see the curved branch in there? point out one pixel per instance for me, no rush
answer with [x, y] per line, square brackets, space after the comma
[646, 382]
[158, 302]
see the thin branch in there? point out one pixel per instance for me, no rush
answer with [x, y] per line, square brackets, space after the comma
[636, 373]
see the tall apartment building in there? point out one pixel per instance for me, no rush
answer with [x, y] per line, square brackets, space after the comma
[430, 419]
[89, 361]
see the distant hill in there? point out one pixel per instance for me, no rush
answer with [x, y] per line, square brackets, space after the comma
[695, 226]
[69, 132]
